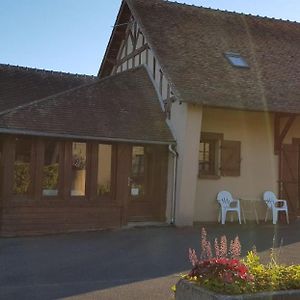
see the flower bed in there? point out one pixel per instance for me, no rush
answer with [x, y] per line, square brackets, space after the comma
[187, 290]
[225, 273]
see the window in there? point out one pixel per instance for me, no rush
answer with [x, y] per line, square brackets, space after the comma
[104, 170]
[138, 171]
[51, 168]
[236, 60]
[22, 167]
[138, 161]
[209, 154]
[206, 159]
[78, 169]
[218, 157]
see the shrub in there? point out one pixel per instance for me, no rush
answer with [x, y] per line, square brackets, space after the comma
[222, 271]
[272, 276]
[50, 178]
[22, 178]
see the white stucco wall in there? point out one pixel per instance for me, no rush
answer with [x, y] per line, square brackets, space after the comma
[186, 126]
[259, 165]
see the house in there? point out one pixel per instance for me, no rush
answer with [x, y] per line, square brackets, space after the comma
[188, 101]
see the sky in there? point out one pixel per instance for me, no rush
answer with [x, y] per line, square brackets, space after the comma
[72, 35]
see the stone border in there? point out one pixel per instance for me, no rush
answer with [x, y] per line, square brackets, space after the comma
[186, 290]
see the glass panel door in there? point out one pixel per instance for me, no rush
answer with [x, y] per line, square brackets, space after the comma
[137, 184]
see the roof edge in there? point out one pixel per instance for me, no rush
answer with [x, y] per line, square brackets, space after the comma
[241, 109]
[230, 11]
[46, 71]
[81, 137]
[99, 74]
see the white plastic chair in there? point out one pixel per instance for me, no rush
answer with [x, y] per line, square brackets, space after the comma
[272, 204]
[227, 203]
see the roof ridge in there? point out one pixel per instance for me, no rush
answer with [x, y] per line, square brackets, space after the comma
[47, 71]
[229, 11]
[5, 112]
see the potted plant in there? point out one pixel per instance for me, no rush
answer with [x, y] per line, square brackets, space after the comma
[224, 275]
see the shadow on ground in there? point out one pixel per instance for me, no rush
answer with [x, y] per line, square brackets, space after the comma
[138, 263]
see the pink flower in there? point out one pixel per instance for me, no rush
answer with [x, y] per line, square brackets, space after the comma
[193, 257]
[223, 247]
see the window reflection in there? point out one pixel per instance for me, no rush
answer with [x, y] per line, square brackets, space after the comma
[138, 161]
[22, 176]
[78, 169]
[137, 171]
[51, 169]
[104, 169]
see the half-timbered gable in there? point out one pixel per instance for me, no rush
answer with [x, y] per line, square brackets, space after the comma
[134, 50]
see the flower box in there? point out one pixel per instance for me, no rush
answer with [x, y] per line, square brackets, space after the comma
[188, 290]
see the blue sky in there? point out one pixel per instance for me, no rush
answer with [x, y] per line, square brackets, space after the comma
[71, 35]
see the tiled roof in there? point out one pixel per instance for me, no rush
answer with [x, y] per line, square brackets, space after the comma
[190, 43]
[124, 107]
[20, 85]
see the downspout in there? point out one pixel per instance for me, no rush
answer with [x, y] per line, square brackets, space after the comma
[174, 185]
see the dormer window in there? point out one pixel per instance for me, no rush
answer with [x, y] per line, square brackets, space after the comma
[236, 60]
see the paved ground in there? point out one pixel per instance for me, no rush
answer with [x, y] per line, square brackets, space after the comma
[138, 263]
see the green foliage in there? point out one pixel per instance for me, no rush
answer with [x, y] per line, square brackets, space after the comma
[22, 178]
[50, 178]
[103, 189]
[273, 276]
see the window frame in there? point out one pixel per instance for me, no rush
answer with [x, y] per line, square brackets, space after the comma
[142, 198]
[59, 197]
[30, 197]
[230, 55]
[38, 145]
[111, 196]
[216, 139]
[68, 173]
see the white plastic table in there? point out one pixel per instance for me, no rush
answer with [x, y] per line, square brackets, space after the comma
[248, 205]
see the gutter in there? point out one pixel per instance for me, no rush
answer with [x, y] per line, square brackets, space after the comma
[174, 185]
[81, 137]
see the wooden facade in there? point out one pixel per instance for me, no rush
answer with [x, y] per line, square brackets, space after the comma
[34, 212]
[289, 157]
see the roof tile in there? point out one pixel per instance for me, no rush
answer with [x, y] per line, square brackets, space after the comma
[20, 85]
[120, 107]
[190, 43]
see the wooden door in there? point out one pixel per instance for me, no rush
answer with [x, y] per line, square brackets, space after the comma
[289, 176]
[147, 185]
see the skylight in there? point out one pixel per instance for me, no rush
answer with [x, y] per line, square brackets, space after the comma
[236, 60]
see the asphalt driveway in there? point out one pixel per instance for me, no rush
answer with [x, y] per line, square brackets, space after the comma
[137, 263]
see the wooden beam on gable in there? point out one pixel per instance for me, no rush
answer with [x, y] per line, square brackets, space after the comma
[279, 132]
[118, 34]
[111, 61]
[132, 54]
